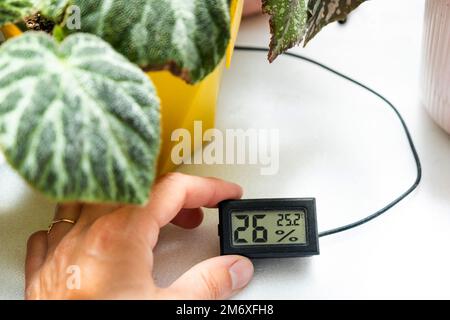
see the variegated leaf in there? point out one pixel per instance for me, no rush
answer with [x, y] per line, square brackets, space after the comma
[287, 24]
[323, 12]
[187, 37]
[14, 10]
[77, 120]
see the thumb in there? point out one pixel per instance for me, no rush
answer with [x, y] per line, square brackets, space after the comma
[216, 278]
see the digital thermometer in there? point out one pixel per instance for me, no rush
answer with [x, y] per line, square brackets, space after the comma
[278, 228]
[268, 228]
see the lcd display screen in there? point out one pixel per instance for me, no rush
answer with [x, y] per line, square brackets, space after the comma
[269, 227]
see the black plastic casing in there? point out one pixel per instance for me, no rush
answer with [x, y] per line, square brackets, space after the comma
[308, 205]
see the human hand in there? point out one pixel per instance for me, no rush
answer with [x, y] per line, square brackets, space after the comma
[110, 248]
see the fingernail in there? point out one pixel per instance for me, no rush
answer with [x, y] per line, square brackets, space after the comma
[241, 273]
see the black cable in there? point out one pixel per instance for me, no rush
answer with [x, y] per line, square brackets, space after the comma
[402, 121]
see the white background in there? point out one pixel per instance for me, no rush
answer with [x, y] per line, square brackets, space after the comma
[337, 143]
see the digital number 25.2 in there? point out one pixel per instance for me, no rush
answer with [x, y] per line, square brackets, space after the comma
[286, 219]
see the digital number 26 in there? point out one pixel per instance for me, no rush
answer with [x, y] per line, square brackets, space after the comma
[259, 233]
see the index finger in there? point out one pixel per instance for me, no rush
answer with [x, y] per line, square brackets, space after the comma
[177, 191]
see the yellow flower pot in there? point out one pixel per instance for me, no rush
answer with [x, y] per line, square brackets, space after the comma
[181, 103]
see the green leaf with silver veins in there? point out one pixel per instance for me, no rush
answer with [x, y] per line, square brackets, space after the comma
[14, 10]
[291, 22]
[287, 24]
[324, 12]
[187, 37]
[77, 120]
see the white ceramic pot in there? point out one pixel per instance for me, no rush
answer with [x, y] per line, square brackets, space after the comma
[436, 62]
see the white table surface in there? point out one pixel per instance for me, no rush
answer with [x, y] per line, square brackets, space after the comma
[338, 144]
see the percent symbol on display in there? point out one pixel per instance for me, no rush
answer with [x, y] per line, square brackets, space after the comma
[285, 235]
